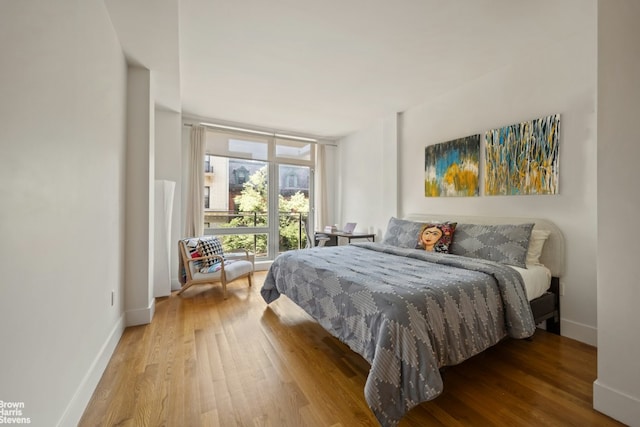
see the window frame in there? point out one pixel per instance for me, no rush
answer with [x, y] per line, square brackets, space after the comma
[215, 146]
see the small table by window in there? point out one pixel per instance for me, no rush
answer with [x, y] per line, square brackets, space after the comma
[333, 237]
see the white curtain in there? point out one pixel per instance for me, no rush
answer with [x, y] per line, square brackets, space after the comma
[321, 210]
[195, 192]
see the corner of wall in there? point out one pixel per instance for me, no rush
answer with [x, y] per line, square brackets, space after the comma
[580, 332]
[74, 411]
[141, 316]
[616, 404]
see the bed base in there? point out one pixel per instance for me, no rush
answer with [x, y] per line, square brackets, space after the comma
[547, 307]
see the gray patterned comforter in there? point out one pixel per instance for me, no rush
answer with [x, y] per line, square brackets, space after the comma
[406, 311]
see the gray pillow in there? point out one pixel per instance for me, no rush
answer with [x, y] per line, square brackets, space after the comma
[504, 243]
[402, 233]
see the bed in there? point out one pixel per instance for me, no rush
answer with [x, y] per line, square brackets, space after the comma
[410, 313]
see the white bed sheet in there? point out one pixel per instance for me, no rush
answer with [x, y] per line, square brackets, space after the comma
[537, 279]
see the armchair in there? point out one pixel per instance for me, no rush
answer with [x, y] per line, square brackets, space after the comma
[202, 261]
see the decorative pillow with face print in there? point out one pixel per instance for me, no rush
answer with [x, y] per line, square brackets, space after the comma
[436, 237]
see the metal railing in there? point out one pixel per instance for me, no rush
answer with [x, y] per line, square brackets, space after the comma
[292, 227]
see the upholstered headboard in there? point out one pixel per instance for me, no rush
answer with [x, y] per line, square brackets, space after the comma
[553, 252]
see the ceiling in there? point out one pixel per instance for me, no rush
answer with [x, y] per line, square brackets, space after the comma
[327, 68]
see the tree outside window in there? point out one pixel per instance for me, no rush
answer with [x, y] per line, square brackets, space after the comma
[293, 210]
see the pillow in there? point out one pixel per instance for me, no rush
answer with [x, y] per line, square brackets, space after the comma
[536, 242]
[503, 243]
[208, 247]
[192, 249]
[402, 233]
[436, 237]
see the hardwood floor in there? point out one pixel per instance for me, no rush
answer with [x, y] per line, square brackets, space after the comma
[205, 361]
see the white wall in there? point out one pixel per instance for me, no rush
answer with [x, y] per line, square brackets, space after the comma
[367, 188]
[62, 178]
[617, 389]
[563, 81]
[168, 165]
[139, 198]
[332, 157]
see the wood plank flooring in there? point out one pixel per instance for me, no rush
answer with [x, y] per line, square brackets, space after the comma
[205, 361]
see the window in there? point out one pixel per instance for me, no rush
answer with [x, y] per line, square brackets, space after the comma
[208, 167]
[286, 149]
[261, 195]
[293, 205]
[207, 192]
[240, 175]
[292, 181]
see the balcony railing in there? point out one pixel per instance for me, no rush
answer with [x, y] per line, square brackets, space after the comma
[292, 229]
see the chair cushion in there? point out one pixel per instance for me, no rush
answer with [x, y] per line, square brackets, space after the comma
[232, 270]
[237, 269]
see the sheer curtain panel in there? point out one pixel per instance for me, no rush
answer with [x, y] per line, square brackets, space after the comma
[321, 211]
[195, 193]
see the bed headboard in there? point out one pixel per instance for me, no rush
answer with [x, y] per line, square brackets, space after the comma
[553, 252]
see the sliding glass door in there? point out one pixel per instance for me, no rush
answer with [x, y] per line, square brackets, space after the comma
[258, 192]
[293, 206]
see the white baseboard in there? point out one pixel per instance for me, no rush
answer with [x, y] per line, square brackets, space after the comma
[175, 284]
[78, 404]
[579, 332]
[616, 404]
[141, 316]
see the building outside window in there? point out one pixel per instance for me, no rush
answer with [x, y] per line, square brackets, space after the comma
[207, 192]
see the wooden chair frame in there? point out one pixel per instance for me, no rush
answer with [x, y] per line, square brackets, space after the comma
[222, 278]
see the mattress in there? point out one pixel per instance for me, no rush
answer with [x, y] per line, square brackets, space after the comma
[536, 278]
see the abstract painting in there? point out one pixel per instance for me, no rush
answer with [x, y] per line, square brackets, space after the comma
[523, 159]
[451, 168]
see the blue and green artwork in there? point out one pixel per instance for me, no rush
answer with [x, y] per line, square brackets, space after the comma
[451, 168]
